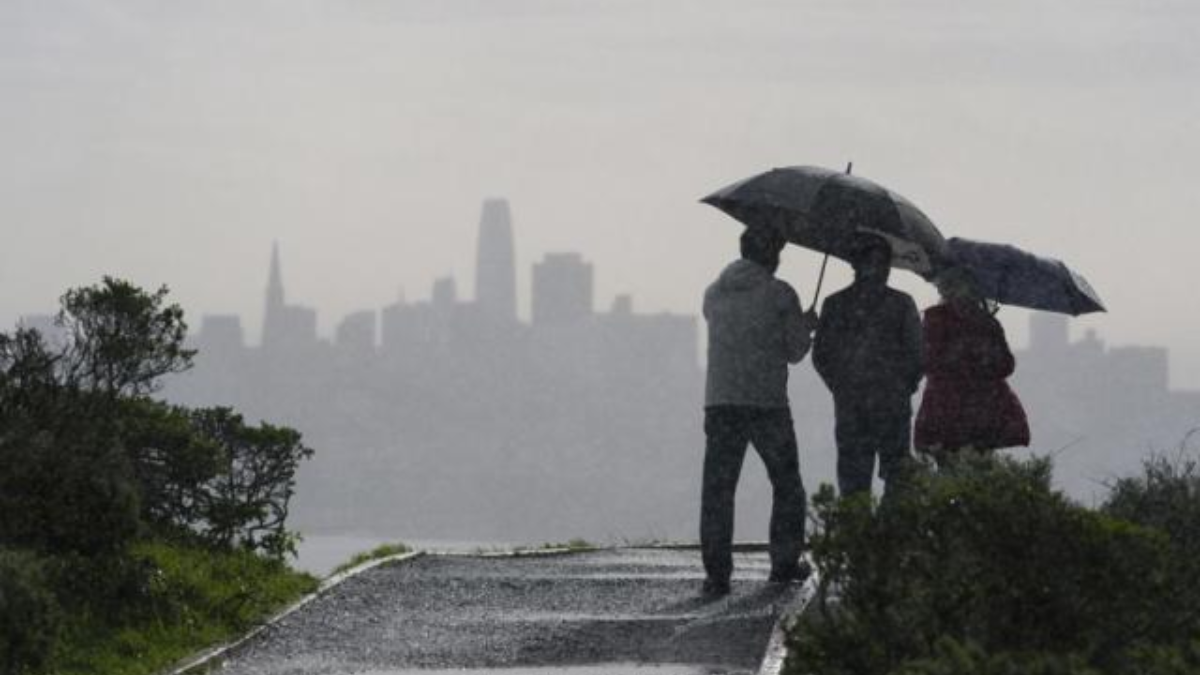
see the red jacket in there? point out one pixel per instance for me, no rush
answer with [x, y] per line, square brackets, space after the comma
[967, 401]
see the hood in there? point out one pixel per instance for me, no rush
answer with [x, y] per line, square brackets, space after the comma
[743, 275]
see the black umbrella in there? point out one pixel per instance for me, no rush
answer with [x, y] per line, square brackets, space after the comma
[1012, 276]
[829, 211]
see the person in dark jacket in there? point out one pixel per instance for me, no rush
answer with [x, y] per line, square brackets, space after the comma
[967, 404]
[755, 329]
[868, 351]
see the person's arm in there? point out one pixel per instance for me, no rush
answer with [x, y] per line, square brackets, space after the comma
[797, 332]
[825, 345]
[913, 342]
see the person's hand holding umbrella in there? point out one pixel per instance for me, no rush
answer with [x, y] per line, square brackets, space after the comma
[810, 320]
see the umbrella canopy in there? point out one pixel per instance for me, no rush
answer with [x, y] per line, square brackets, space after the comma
[829, 211]
[1011, 276]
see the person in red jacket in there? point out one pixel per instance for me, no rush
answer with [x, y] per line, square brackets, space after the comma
[967, 402]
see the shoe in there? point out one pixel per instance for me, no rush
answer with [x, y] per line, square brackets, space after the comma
[714, 588]
[797, 573]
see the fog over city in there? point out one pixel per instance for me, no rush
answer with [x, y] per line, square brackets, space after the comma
[177, 143]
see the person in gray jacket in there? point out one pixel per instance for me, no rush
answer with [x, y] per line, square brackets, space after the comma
[868, 350]
[755, 329]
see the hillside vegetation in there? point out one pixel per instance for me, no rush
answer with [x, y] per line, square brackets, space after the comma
[985, 569]
[132, 532]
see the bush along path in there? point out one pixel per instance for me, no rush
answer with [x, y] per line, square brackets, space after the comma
[132, 532]
[985, 569]
[607, 606]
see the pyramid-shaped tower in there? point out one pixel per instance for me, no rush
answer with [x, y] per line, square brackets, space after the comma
[273, 314]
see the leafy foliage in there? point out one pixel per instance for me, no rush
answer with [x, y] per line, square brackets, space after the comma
[986, 559]
[207, 474]
[121, 339]
[67, 492]
[30, 619]
[93, 468]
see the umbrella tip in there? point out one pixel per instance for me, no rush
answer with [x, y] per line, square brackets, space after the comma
[850, 167]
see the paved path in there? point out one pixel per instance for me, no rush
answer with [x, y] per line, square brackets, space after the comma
[609, 606]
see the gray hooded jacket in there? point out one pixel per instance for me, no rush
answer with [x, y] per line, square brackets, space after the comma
[755, 329]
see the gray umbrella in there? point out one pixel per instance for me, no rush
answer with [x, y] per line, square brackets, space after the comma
[829, 211]
[1011, 276]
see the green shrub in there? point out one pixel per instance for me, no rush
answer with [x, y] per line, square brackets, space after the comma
[193, 598]
[30, 620]
[953, 658]
[1166, 498]
[985, 554]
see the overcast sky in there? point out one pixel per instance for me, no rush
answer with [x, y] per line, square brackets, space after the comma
[171, 141]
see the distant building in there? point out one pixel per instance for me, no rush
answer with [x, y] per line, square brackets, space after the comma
[406, 327]
[562, 289]
[496, 266]
[220, 334]
[640, 344]
[1048, 334]
[274, 324]
[445, 294]
[355, 335]
[286, 328]
[1098, 409]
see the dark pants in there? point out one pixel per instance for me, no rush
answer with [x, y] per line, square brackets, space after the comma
[728, 430]
[870, 425]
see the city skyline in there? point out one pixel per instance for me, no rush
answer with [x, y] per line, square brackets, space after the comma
[496, 277]
[327, 130]
[561, 287]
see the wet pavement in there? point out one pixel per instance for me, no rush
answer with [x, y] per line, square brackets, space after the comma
[601, 612]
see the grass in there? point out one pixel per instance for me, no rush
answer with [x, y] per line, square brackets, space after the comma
[377, 553]
[576, 544]
[195, 599]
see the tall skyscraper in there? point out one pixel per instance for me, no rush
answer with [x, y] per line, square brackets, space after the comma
[495, 265]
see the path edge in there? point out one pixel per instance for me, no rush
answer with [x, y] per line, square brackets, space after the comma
[776, 653]
[207, 658]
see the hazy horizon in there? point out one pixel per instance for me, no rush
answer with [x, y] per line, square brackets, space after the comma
[172, 142]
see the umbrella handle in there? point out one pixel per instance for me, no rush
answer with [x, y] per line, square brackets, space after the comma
[820, 279]
[825, 261]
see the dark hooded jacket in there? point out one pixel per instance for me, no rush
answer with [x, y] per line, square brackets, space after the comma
[868, 342]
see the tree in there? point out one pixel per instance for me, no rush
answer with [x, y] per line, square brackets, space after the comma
[121, 339]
